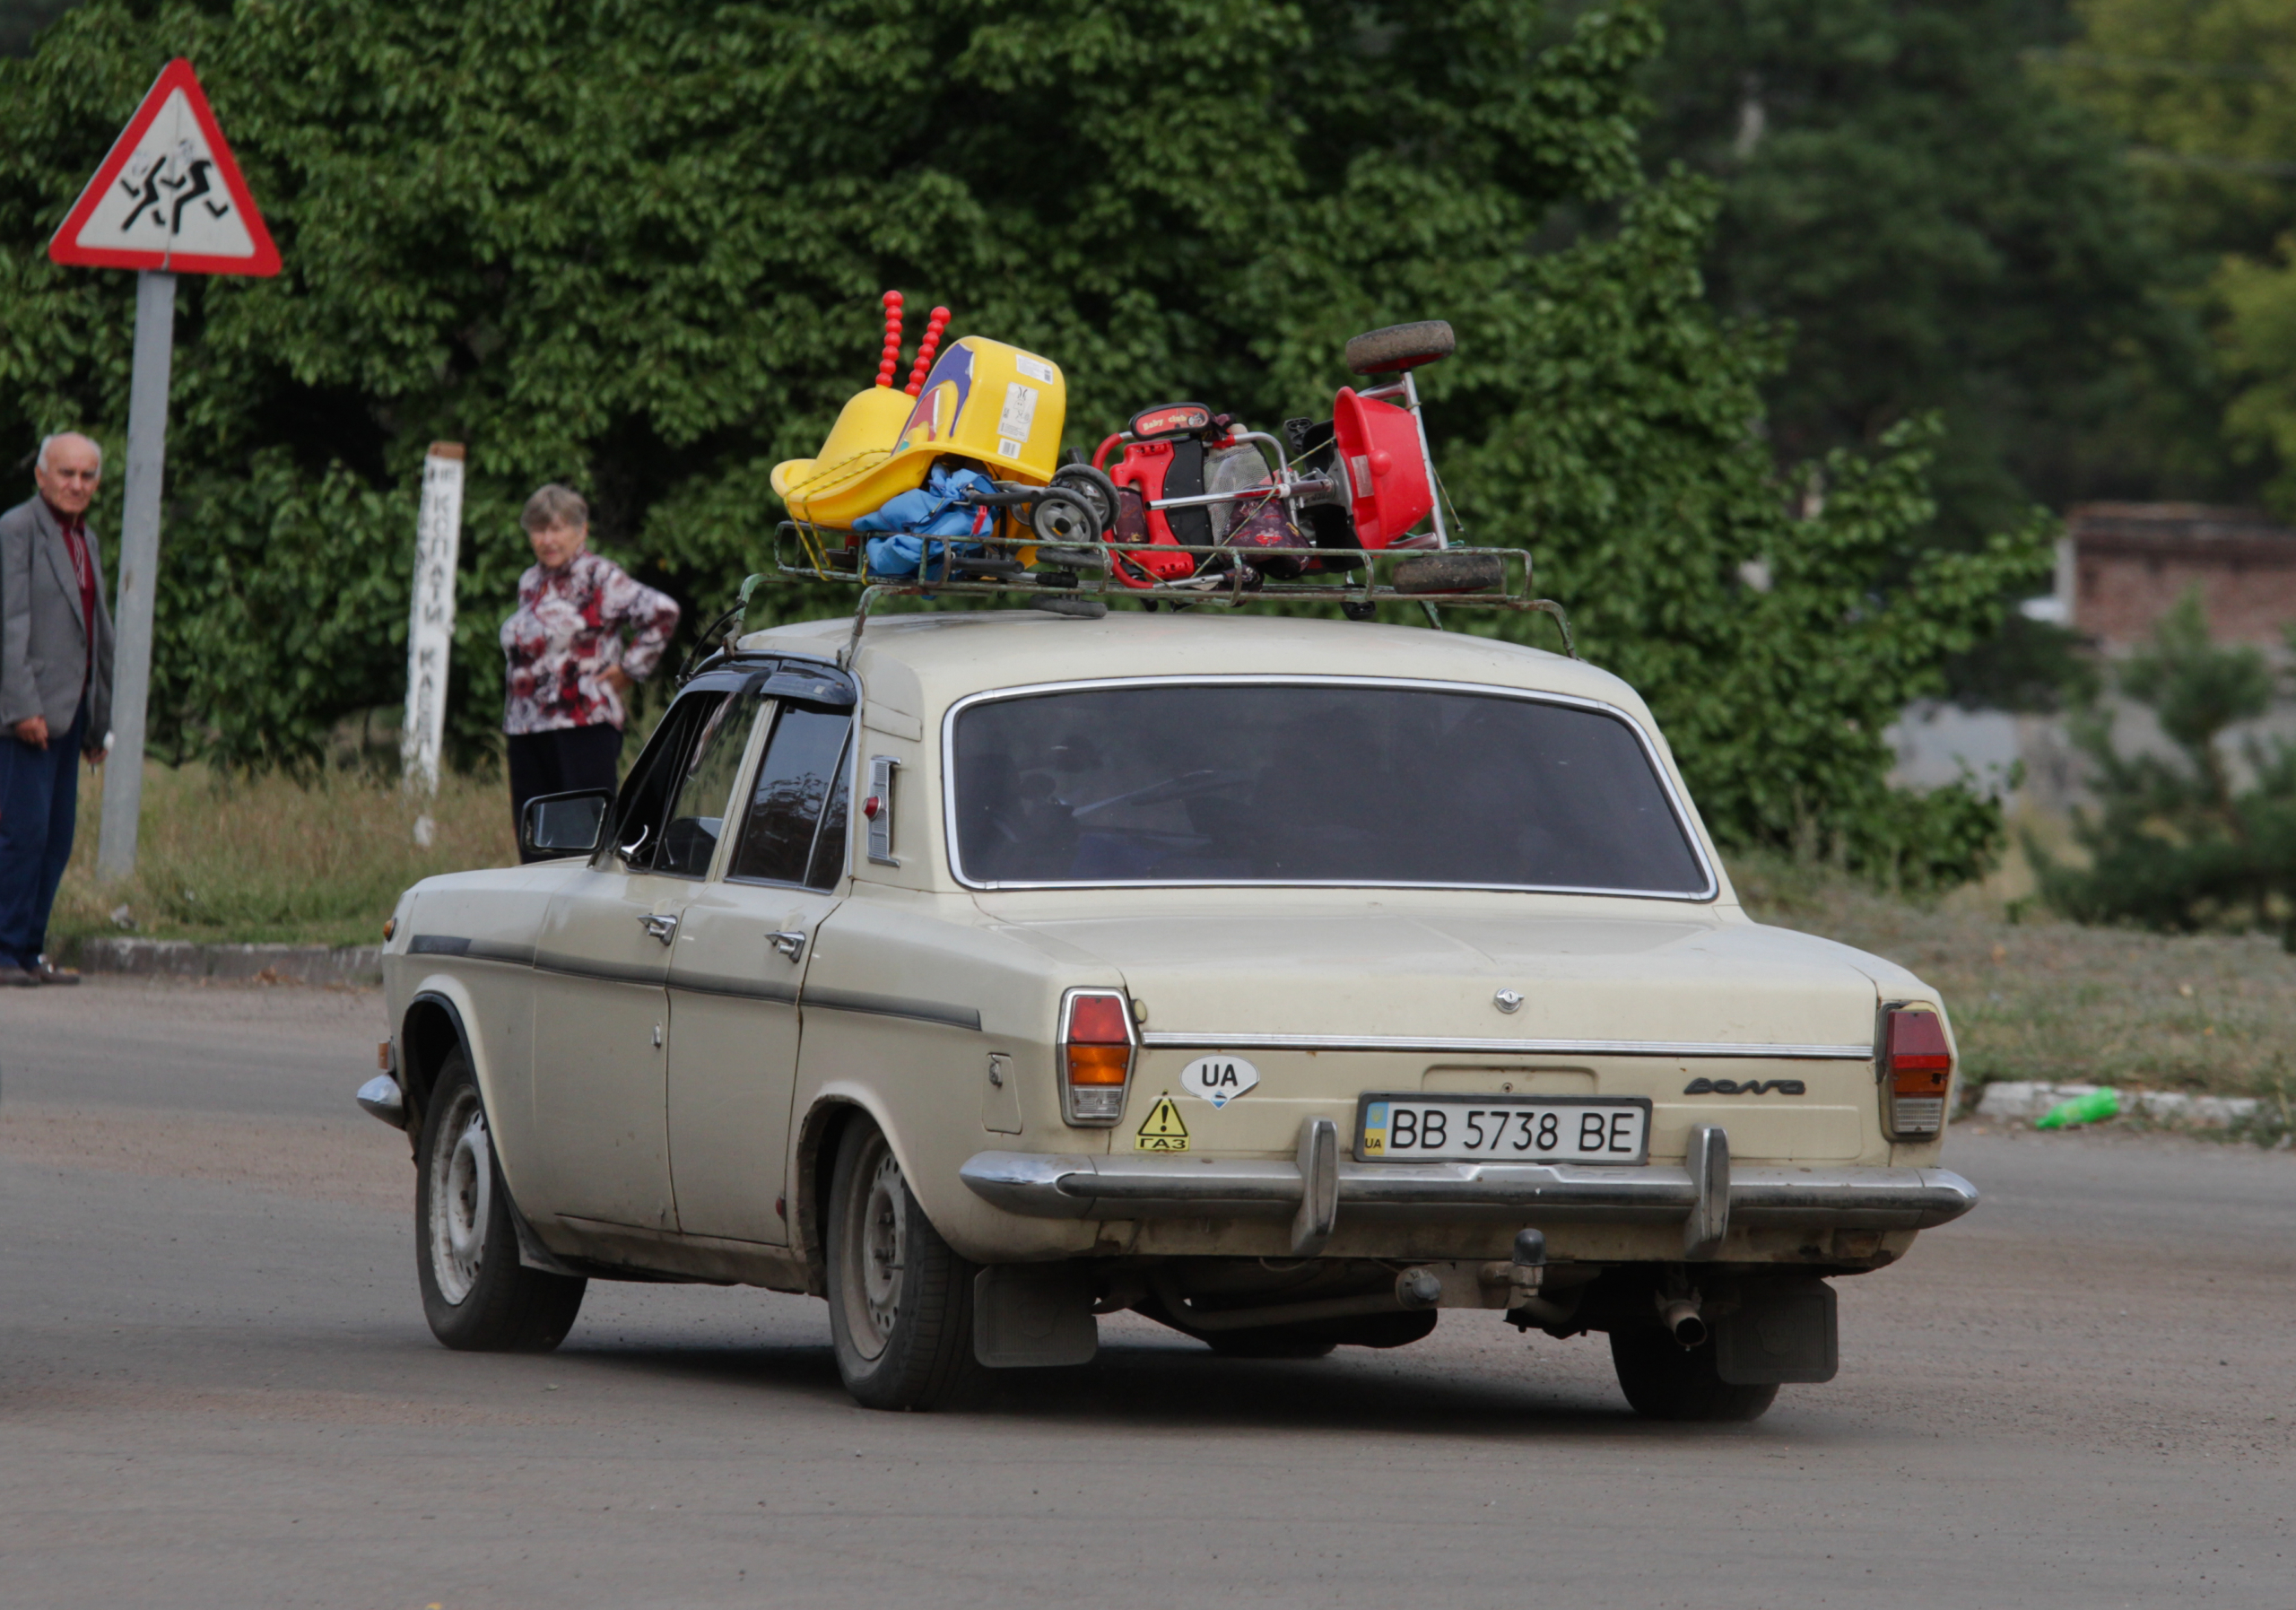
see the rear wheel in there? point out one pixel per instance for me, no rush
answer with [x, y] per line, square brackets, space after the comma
[475, 1293]
[899, 1299]
[1665, 1381]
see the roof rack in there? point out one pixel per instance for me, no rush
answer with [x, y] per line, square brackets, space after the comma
[1082, 580]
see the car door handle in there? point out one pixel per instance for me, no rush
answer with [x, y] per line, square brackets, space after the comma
[664, 928]
[789, 942]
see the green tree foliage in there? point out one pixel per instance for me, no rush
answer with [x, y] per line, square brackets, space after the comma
[1942, 231]
[2202, 88]
[20, 20]
[637, 247]
[2207, 839]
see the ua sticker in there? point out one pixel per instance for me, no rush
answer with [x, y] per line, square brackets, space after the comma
[1163, 1129]
[1219, 1080]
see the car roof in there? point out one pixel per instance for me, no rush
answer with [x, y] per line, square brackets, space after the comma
[922, 663]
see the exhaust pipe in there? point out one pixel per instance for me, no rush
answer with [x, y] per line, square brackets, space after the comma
[1681, 1318]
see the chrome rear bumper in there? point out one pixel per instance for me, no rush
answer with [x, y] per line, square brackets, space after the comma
[1055, 1185]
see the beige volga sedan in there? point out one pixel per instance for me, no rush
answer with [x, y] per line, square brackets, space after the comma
[1289, 982]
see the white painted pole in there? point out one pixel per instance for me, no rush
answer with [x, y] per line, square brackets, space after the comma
[139, 571]
[430, 623]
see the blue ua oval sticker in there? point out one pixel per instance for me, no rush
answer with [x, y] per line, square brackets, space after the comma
[1218, 1080]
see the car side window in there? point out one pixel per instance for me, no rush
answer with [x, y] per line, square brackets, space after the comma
[642, 810]
[705, 795]
[799, 785]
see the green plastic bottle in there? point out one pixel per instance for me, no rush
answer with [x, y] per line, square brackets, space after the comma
[2094, 1107]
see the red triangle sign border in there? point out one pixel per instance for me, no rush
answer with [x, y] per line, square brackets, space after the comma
[175, 76]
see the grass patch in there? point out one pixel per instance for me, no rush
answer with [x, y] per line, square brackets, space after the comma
[268, 859]
[2036, 998]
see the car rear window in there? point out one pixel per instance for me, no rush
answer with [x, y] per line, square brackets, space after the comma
[1222, 782]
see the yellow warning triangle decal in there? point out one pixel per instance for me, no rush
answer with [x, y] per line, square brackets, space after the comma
[1164, 1129]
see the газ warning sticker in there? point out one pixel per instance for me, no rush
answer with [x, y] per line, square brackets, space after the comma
[1162, 1130]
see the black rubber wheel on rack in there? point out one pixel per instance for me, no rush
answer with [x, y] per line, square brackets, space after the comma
[1450, 573]
[1356, 609]
[1093, 487]
[900, 1297]
[1064, 520]
[1062, 603]
[1665, 1381]
[1401, 346]
[476, 1294]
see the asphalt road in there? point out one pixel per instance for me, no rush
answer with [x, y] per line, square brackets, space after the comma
[216, 1389]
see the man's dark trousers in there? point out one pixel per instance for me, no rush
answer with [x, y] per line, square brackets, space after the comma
[39, 806]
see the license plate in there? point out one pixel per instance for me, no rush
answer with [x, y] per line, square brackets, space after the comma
[1406, 1129]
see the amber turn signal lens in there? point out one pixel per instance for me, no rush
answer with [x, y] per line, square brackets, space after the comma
[390, 927]
[1099, 1064]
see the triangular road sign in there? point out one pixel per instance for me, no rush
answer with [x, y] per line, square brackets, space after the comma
[168, 195]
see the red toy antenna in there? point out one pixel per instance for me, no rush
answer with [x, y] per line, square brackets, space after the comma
[925, 349]
[891, 360]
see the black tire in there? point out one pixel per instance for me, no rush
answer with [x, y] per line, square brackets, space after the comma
[1401, 346]
[1094, 488]
[900, 1300]
[1450, 573]
[1061, 604]
[1665, 1381]
[476, 1294]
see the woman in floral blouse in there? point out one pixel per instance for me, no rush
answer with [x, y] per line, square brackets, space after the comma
[567, 668]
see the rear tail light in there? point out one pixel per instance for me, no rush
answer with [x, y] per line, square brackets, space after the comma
[1096, 1047]
[1916, 1070]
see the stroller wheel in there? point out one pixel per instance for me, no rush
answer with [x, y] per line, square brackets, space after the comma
[1092, 487]
[1401, 346]
[1064, 520]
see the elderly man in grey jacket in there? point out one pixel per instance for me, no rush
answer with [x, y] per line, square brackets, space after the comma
[55, 693]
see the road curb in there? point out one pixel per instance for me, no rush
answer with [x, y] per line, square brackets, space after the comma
[261, 963]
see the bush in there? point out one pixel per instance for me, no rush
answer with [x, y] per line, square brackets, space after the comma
[2184, 845]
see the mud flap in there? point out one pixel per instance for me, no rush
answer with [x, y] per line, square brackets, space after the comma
[1778, 1332]
[1033, 1317]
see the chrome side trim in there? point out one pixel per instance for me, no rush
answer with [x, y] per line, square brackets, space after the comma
[1685, 820]
[753, 989]
[1191, 1040]
[886, 1006]
[1057, 1186]
[475, 950]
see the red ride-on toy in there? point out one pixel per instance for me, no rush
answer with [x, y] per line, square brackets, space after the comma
[1190, 479]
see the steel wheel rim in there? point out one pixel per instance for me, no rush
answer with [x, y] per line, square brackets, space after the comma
[872, 1245]
[462, 1194]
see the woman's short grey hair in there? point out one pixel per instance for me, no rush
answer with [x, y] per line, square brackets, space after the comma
[52, 438]
[555, 505]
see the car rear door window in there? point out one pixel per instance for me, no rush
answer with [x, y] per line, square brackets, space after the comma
[798, 802]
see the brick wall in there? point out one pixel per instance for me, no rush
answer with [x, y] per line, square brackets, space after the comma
[2130, 562]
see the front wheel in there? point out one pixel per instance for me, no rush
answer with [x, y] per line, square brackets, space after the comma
[475, 1293]
[899, 1298]
[1665, 1381]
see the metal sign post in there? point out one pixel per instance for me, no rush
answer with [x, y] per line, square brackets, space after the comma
[139, 569]
[431, 622]
[167, 200]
